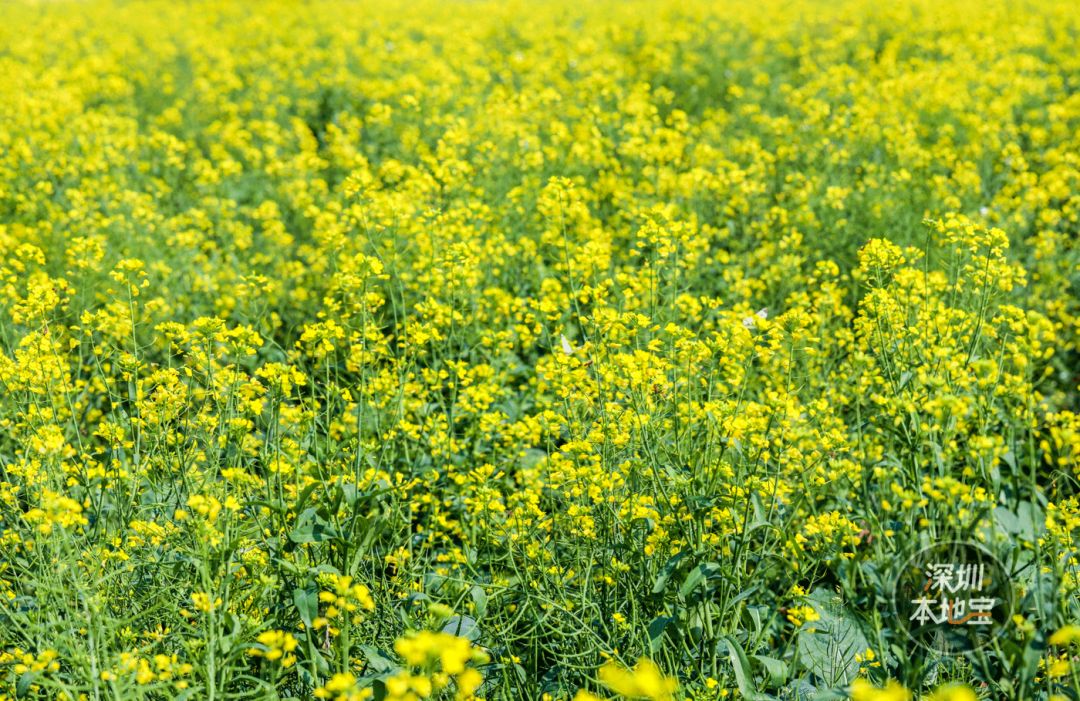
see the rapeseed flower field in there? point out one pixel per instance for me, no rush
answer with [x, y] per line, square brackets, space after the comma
[554, 350]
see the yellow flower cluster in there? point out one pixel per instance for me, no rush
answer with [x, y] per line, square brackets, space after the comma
[643, 681]
[56, 510]
[863, 690]
[276, 646]
[143, 671]
[344, 600]
[439, 661]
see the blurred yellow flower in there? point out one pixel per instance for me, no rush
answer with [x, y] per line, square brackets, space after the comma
[643, 681]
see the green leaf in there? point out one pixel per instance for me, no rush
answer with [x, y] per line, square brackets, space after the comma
[745, 594]
[311, 528]
[666, 571]
[22, 687]
[377, 661]
[697, 577]
[1032, 520]
[307, 603]
[656, 632]
[463, 627]
[302, 499]
[760, 515]
[744, 676]
[1007, 520]
[827, 647]
[775, 668]
[480, 600]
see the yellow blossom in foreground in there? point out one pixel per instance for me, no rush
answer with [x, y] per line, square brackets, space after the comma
[953, 692]
[862, 690]
[1066, 635]
[643, 681]
[450, 651]
[342, 687]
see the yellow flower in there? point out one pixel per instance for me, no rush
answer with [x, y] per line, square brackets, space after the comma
[953, 692]
[45, 661]
[862, 690]
[342, 687]
[644, 681]
[344, 598]
[798, 615]
[276, 645]
[202, 602]
[468, 681]
[56, 510]
[452, 652]
[583, 695]
[1066, 635]
[1058, 667]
